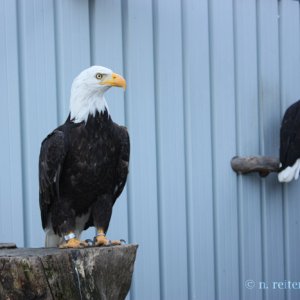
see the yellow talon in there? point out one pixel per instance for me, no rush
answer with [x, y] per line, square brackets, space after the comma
[102, 240]
[73, 243]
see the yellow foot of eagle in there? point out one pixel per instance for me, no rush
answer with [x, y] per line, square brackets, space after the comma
[73, 243]
[102, 240]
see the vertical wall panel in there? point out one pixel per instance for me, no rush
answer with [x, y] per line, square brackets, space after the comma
[11, 205]
[38, 100]
[269, 98]
[290, 92]
[72, 46]
[247, 115]
[170, 149]
[198, 150]
[224, 144]
[139, 71]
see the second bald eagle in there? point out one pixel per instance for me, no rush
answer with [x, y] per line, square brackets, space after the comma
[290, 144]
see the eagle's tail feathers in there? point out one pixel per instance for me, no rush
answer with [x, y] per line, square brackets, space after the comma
[52, 239]
[290, 173]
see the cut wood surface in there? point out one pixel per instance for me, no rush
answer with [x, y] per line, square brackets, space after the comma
[68, 274]
[7, 245]
[261, 164]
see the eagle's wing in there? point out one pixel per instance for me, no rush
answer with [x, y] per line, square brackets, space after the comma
[290, 136]
[52, 155]
[122, 168]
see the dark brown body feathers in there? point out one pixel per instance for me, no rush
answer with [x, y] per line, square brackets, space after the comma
[82, 167]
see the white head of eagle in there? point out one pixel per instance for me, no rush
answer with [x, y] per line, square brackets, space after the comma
[87, 92]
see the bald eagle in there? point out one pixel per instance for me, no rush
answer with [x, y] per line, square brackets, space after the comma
[290, 144]
[83, 164]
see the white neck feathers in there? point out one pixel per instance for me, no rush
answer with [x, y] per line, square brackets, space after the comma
[84, 103]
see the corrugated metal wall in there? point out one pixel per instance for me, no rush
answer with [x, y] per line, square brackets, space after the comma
[207, 80]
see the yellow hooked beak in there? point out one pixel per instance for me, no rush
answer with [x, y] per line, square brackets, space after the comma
[114, 80]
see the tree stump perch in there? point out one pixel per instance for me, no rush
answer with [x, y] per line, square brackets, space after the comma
[7, 245]
[264, 165]
[69, 274]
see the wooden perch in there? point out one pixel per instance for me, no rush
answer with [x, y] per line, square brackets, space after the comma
[261, 164]
[7, 245]
[70, 274]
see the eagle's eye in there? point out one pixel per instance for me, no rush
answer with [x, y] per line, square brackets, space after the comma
[99, 76]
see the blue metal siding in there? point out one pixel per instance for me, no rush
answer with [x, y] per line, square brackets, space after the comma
[11, 204]
[290, 89]
[206, 80]
[140, 96]
[248, 142]
[170, 149]
[269, 104]
[198, 150]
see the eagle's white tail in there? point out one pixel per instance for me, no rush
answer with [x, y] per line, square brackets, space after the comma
[290, 173]
[52, 239]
